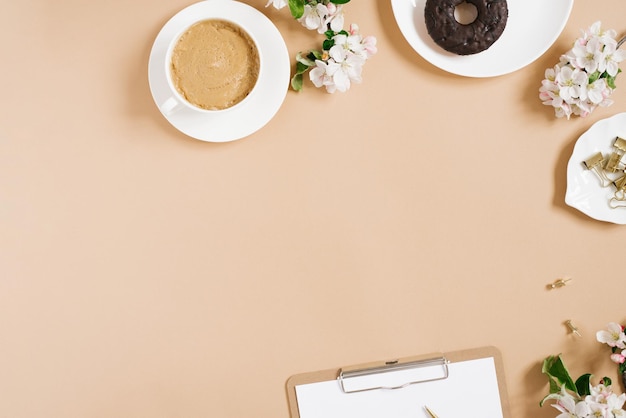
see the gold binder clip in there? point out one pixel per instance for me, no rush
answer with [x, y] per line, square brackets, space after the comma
[619, 197]
[596, 163]
[614, 163]
[572, 327]
[617, 201]
[620, 183]
[559, 283]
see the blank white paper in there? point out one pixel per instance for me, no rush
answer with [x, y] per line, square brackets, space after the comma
[470, 391]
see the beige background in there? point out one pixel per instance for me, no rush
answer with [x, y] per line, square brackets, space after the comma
[147, 274]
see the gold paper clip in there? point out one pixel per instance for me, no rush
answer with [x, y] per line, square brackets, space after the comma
[430, 413]
[559, 283]
[614, 164]
[595, 163]
[572, 327]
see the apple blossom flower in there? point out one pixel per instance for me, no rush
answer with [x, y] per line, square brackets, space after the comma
[369, 45]
[350, 66]
[575, 400]
[278, 4]
[601, 402]
[584, 78]
[572, 83]
[587, 56]
[599, 393]
[617, 358]
[615, 405]
[313, 17]
[596, 409]
[613, 336]
[598, 93]
[595, 31]
[343, 68]
[339, 64]
[569, 406]
[335, 19]
[318, 75]
[322, 17]
[610, 60]
[349, 42]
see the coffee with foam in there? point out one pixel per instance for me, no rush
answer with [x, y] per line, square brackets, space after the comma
[215, 64]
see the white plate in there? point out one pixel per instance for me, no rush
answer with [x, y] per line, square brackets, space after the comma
[272, 84]
[532, 27]
[584, 191]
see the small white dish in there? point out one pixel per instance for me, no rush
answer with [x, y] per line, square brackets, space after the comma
[272, 85]
[532, 27]
[584, 190]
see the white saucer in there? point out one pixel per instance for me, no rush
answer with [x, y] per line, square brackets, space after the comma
[532, 27]
[584, 191]
[272, 85]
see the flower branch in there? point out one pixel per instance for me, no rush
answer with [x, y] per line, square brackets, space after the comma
[580, 398]
[615, 338]
[339, 62]
[585, 76]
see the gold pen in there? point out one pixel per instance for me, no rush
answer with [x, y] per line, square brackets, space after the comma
[431, 413]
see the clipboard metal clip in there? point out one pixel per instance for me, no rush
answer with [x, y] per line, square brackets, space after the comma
[393, 375]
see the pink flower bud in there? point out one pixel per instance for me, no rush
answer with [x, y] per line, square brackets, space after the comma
[618, 358]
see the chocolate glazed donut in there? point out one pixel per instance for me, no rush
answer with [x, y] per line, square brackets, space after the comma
[465, 39]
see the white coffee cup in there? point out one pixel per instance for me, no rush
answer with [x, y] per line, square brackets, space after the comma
[177, 100]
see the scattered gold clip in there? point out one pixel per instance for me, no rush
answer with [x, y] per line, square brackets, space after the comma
[619, 197]
[617, 202]
[430, 413]
[614, 163]
[620, 183]
[559, 283]
[572, 327]
[596, 163]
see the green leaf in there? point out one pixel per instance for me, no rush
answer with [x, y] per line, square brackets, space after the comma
[548, 397]
[301, 68]
[327, 44]
[314, 55]
[610, 81]
[582, 385]
[606, 381]
[296, 82]
[594, 76]
[557, 373]
[296, 7]
[307, 60]
[339, 1]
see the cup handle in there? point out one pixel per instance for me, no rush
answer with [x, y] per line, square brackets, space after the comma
[170, 106]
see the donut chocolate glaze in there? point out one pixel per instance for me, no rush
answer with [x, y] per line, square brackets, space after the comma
[465, 39]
